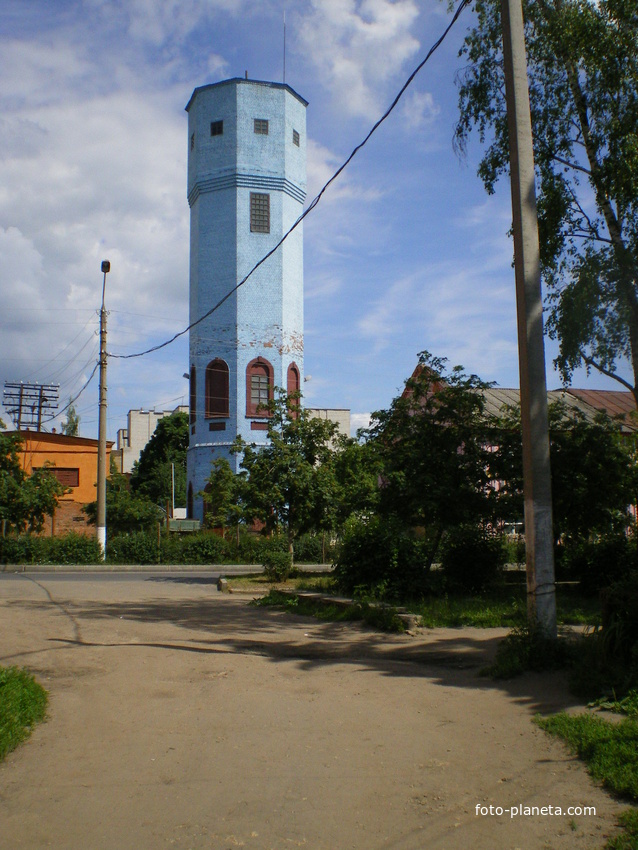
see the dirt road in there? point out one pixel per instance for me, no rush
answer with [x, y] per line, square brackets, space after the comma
[184, 718]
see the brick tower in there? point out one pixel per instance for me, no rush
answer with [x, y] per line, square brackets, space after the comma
[246, 188]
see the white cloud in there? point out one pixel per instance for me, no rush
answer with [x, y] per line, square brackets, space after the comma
[358, 420]
[83, 177]
[452, 312]
[358, 47]
[419, 110]
[322, 163]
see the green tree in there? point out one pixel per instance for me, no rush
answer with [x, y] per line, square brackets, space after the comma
[594, 473]
[433, 448]
[25, 500]
[583, 79]
[289, 484]
[151, 474]
[71, 425]
[357, 470]
[222, 497]
[126, 512]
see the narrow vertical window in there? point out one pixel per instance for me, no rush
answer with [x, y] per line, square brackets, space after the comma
[216, 389]
[293, 385]
[261, 126]
[295, 138]
[192, 141]
[259, 213]
[259, 387]
[293, 381]
[193, 397]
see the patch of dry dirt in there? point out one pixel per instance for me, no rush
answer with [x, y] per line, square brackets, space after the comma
[184, 718]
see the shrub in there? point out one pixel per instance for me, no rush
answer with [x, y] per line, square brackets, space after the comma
[252, 547]
[204, 549]
[74, 549]
[528, 648]
[70, 548]
[472, 558]
[310, 548]
[374, 554]
[138, 548]
[277, 565]
[596, 563]
[24, 549]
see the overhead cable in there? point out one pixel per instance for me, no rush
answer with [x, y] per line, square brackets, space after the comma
[314, 202]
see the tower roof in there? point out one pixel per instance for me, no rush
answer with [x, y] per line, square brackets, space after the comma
[243, 81]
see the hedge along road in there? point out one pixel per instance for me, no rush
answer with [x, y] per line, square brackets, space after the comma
[181, 717]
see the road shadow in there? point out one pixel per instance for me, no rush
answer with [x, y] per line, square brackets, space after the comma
[228, 625]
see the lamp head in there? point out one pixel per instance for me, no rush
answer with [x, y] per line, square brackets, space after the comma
[106, 266]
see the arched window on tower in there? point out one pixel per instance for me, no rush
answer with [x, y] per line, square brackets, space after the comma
[293, 385]
[216, 389]
[259, 387]
[192, 397]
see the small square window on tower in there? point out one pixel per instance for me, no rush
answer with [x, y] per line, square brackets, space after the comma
[295, 138]
[259, 213]
[261, 126]
[217, 128]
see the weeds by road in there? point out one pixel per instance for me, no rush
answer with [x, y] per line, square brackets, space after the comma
[23, 703]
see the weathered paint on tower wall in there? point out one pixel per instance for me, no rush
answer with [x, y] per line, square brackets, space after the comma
[264, 318]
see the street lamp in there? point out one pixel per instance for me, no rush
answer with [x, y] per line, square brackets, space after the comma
[101, 438]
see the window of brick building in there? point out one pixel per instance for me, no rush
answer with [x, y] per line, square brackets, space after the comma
[259, 213]
[67, 476]
[259, 387]
[216, 389]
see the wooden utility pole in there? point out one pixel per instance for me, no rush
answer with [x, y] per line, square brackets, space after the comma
[101, 439]
[537, 482]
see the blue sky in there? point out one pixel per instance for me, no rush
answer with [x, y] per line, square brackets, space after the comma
[406, 251]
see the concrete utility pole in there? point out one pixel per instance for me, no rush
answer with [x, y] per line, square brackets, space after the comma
[101, 439]
[537, 483]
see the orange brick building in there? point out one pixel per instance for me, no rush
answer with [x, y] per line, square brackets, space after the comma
[73, 461]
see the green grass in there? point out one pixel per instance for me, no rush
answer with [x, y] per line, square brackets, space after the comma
[628, 839]
[320, 582]
[505, 607]
[610, 751]
[627, 705]
[380, 617]
[23, 703]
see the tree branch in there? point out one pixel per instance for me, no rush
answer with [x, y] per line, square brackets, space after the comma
[573, 165]
[589, 361]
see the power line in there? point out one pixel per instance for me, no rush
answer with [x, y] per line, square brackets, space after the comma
[313, 203]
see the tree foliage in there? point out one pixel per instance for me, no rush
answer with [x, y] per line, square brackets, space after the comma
[126, 512]
[594, 474]
[25, 500]
[71, 425]
[432, 445]
[222, 497]
[583, 80]
[151, 474]
[289, 484]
